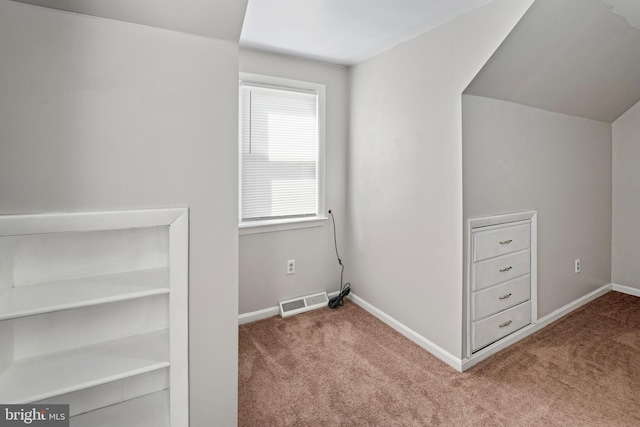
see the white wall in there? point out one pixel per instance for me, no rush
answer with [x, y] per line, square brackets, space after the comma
[102, 115]
[405, 171]
[263, 257]
[518, 158]
[626, 199]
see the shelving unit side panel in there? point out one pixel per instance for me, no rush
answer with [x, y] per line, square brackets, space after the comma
[179, 319]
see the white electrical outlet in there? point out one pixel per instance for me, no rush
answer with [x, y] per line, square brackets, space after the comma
[291, 266]
[577, 266]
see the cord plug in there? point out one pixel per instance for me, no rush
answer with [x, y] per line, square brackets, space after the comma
[338, 300]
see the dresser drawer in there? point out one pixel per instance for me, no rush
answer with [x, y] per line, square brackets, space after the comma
[492, 300]
[499, 325]
[501, 269]
[501, 241]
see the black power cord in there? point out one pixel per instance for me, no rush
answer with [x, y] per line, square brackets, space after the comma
[345, 288]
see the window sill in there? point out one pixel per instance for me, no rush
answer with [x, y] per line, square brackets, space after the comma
[280, 225]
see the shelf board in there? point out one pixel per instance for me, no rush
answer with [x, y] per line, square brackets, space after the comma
[63, 295]
[50, 375]
[151, 410]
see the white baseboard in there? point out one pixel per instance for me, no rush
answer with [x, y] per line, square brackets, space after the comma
[626, 290]
[438, 352]
[258, 315]
[533, 328]
[268, 312]
[563, 311]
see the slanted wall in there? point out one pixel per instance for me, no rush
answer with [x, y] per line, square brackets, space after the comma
[101, 115]
[625, 268]
[405, 171]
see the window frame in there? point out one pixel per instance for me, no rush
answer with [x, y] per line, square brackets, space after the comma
[282, 224]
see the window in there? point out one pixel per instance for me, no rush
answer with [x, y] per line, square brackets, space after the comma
[281, 154]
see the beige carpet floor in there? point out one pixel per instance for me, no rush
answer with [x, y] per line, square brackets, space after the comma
[346, 368]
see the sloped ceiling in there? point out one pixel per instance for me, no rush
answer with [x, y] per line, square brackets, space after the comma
[577, 57]
[219, 19]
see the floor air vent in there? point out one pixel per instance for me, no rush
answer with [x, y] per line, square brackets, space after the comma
[302, 304]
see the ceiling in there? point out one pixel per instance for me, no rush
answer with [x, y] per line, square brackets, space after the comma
[577, 57]
[343, 32]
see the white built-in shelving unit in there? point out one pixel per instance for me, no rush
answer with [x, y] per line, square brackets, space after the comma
[94, 313]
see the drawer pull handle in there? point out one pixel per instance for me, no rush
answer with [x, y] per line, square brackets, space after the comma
[505, 297]
[504, 270]
[506, 242]
[505, 324]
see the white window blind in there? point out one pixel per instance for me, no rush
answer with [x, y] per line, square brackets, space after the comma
[279, 138]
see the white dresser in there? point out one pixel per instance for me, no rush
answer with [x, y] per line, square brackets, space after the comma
[501, 291]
